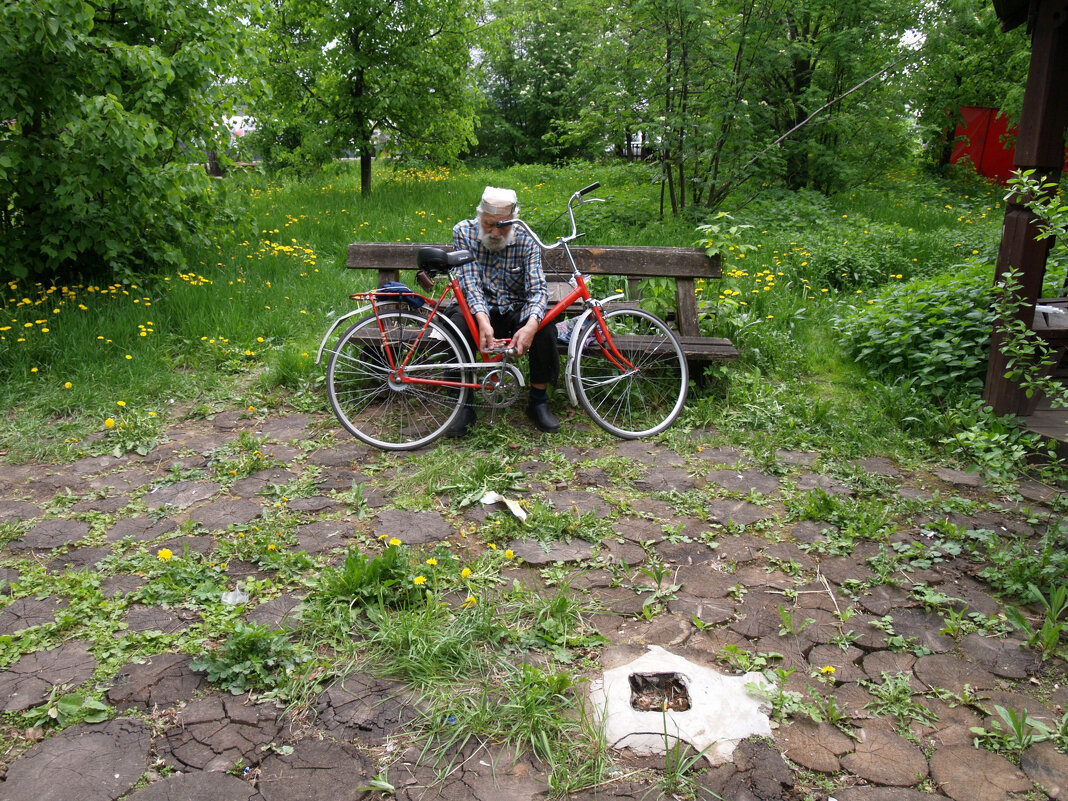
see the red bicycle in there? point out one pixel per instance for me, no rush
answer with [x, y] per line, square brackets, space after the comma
[397, 378]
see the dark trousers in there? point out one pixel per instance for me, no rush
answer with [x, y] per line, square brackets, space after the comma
[544, 360]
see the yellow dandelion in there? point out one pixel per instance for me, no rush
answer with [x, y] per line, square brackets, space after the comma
[431, 561]
[109, 423]
[465, 573]
[469, 602]
[827, 670]
[120, 403]
[394, 541]
[419, 580]
[508, 554]
[164, 554]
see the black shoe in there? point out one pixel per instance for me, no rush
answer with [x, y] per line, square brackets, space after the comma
[542, 417]
[463, 421]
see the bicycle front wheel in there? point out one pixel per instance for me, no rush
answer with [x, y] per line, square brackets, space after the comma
[633, 382]
[366, 390]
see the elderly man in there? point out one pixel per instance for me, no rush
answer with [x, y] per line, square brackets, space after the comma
[506, 289]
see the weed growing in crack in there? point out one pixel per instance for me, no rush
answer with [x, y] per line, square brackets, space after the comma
[252, 658]
[1017, 731]
[893, 696]
[1047, 637]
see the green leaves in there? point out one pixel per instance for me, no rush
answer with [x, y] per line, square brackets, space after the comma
[342, 76]
[91, 180]
[935, 331]
[253, 658]
[64, 709]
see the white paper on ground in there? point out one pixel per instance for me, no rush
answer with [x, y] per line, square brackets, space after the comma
[513, 507]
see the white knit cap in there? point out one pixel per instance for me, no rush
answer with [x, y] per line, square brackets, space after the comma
[497, 201]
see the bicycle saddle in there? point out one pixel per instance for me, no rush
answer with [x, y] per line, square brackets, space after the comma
[436, 260]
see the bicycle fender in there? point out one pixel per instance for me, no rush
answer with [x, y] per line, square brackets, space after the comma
[333, 327]
[448, 324]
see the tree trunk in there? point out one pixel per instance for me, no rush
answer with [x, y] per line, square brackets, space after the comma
[366, 158]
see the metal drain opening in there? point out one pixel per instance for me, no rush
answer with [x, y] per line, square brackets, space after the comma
[655, 692]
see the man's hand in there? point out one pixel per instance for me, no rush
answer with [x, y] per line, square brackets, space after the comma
[486, 340]
[523, 337]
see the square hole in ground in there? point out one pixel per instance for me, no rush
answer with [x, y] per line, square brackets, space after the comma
[655, 692]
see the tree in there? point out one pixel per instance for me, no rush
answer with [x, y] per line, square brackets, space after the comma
[965, 60]
[530, 54]
[345, 76]
[106, 111]
[708, 86]
[822, 49]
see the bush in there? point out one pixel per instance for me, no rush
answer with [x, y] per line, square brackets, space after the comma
[935, 331]
[107, 111]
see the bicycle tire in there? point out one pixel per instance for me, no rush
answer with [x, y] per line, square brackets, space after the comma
[387, 414]
[630, 403]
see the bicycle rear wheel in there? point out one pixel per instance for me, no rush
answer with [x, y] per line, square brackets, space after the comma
[638, 388]
[370, 401]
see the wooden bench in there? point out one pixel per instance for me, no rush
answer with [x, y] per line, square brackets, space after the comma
[684, 265]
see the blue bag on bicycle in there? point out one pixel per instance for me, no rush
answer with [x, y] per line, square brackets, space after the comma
[403, 292]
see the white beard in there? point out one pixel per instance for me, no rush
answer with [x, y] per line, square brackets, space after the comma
[495, 244]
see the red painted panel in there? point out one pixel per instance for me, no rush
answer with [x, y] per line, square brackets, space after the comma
[981, 139]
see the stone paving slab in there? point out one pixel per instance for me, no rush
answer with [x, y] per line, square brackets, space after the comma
[50, 534]
[411, 528]
[816, 746]
[315, 769]
[78, 559]
[160, 681]
[744, 481]
[83, 763]
[537, 553]
[1048, 768]
[28, 682]
[258, 482]
[25, 613]
[181, 495]
[214, 732]
[968, 774]
[221, 514]
[278, 613]
[140, 529]
[15, 511]
[197, 787]
[886, 758]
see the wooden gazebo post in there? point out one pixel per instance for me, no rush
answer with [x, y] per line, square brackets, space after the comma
[1039, 146]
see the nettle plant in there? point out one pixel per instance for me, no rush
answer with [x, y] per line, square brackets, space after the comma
[935, 331]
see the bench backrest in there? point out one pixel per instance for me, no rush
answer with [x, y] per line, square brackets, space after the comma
[685, 265]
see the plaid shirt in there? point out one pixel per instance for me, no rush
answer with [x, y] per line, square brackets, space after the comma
[508, 279]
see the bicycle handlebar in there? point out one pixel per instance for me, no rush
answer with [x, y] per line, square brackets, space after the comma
[570, 213]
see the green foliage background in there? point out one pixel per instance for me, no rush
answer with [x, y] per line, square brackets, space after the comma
[108, 111]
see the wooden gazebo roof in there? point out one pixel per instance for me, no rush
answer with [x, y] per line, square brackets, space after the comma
[1012, 13]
